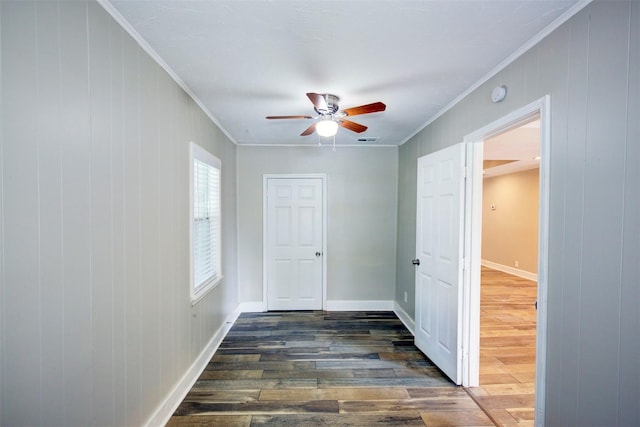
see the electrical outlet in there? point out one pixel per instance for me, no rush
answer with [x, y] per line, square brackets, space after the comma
[405, 296]
[517, 264]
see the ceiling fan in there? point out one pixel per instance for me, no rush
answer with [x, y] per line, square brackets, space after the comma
[330, 116]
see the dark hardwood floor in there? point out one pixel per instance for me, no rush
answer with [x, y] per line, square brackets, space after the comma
[324, 368]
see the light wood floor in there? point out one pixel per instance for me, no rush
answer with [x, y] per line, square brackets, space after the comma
[362, 369]
[507, 348]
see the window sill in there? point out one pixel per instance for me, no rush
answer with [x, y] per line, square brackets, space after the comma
[202, 292]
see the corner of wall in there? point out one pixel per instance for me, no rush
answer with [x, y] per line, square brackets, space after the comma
[404, 318]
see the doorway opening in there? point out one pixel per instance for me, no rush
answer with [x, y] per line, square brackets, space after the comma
[537, 111]
[508, 279]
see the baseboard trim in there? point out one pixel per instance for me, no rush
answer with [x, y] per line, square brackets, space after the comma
[169, 405]
[337, 305]
[510, 270]
[252, 307]
[404, 318]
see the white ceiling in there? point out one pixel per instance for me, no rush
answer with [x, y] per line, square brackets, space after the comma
[244, 60]
[520, 145]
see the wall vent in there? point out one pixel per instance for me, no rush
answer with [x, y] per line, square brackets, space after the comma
[368, 139]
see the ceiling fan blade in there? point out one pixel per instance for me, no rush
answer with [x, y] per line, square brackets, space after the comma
[311, 129]
[318, 101]
[365, 109]
[288, 117]
[352, 126]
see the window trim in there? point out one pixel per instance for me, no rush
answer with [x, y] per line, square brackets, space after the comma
[196, 152]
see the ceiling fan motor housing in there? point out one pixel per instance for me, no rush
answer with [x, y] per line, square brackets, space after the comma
[332, 104]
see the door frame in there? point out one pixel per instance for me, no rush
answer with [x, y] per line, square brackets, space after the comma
[265, 264]
[473, 243]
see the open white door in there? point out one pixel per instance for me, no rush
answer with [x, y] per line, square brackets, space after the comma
[294, 243]
[439, 264]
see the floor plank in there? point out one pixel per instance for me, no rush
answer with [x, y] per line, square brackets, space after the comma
[361, 394]
[341, 420]
[210, 420]
[467, 417]
[257, 407]
[507, 348]
[402, 405]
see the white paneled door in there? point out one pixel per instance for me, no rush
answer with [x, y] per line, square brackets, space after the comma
[294, 243]
[439, 250]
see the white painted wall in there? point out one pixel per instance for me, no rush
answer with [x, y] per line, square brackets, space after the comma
[361, 233]
[97, 325]
[591, 68]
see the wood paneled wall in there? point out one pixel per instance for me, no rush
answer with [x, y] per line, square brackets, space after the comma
[590, 66]
[97, 325]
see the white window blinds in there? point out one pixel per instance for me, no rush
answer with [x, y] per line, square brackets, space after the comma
[205, 221]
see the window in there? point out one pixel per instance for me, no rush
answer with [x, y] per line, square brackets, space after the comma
[205, 222]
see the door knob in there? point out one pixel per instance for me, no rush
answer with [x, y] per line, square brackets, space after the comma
[415, 261]
[318, 253]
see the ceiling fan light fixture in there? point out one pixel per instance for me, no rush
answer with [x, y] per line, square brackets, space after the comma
[330, 116]
[327, 128]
